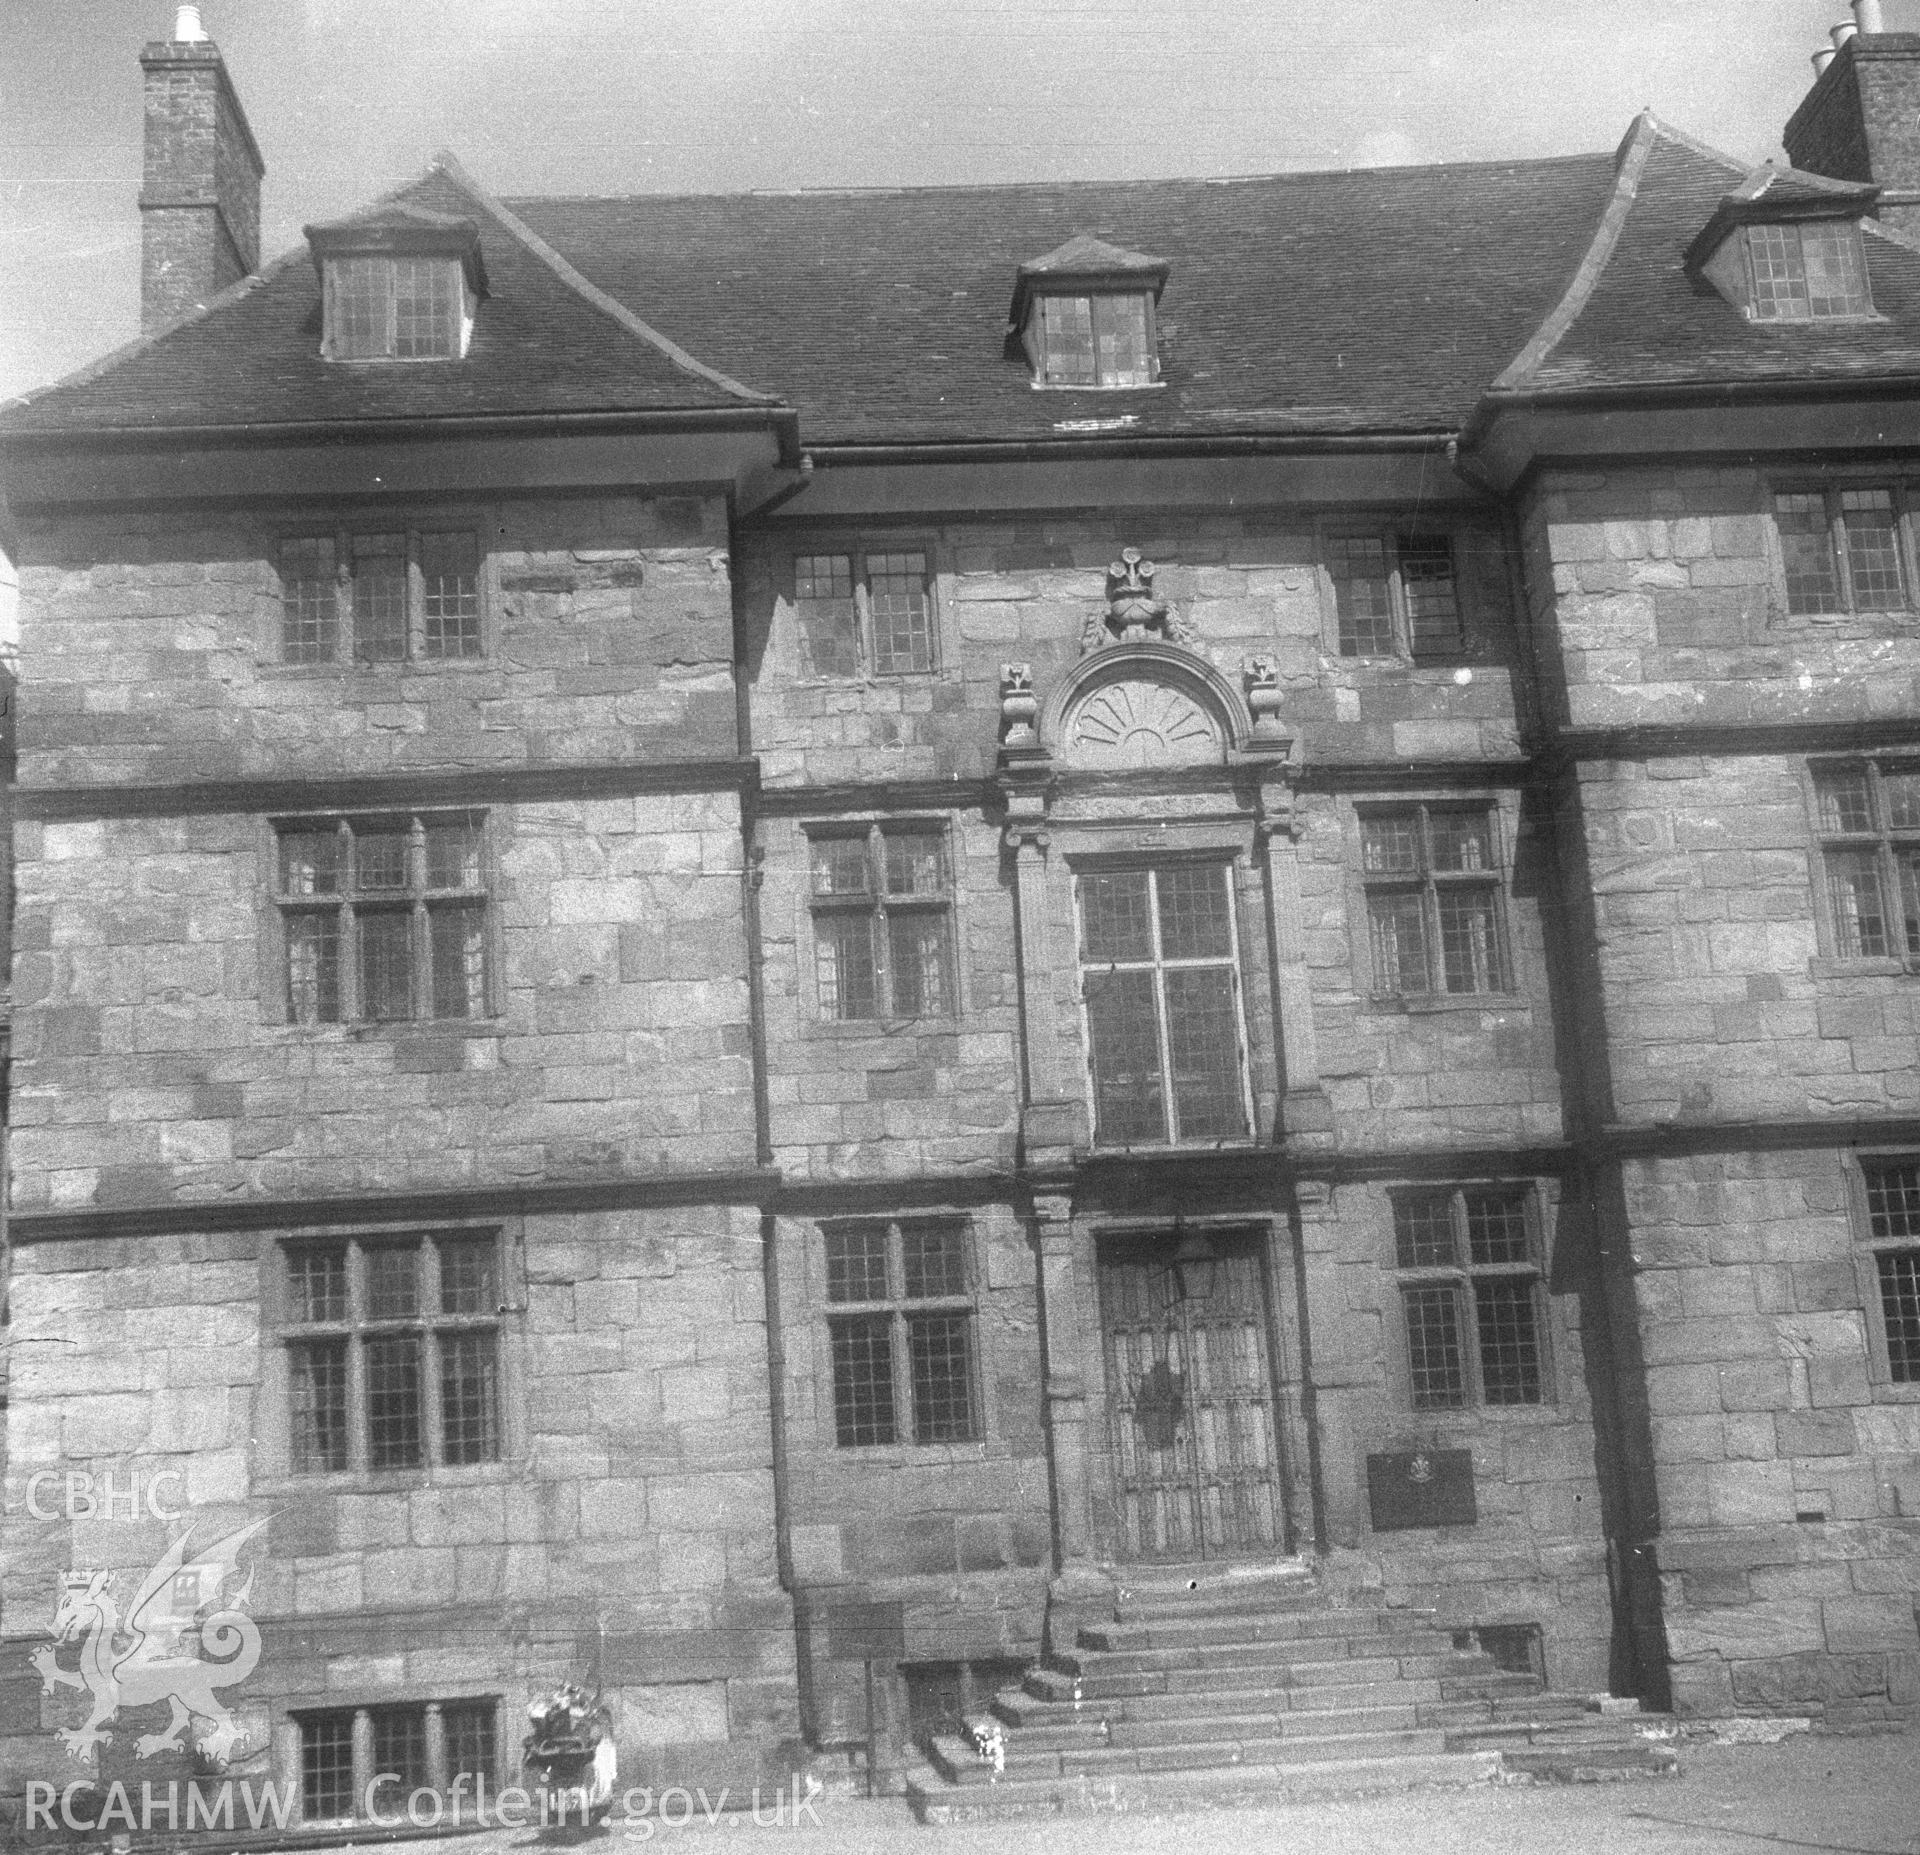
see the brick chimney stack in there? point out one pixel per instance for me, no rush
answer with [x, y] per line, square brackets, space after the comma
[1861, 120]
[200, 198]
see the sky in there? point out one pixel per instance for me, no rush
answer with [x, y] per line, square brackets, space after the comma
[350, 98]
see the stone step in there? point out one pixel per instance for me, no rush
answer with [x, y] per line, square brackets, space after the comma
[1023, 1711]
[1207, 1591]
[1328, 1626]
[956, 1761]
[933, 1800]
[1292, 1660]
[1203, 1682]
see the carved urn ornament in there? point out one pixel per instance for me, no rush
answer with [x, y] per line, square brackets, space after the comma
[1133, 615]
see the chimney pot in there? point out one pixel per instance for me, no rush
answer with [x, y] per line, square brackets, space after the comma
[1842, 33]
[187, 29]
[1822, 58]
[1867, 13]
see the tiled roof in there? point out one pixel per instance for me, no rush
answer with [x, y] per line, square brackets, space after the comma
[1377, 300]
[253, 357]
[1637, 319]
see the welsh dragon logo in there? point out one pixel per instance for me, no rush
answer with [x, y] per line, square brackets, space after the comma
[149, 1657]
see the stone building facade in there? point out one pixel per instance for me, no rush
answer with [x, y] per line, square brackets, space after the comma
[1017, 952]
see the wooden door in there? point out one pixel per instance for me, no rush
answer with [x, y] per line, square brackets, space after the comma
[1196, 1467]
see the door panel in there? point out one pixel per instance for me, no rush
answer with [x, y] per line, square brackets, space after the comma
[1196, 1467]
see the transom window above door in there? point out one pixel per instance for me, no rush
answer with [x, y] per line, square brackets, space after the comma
[1159, 972]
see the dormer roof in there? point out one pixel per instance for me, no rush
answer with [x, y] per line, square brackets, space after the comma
[401, 226]
[1769, 194]
[1087, 262]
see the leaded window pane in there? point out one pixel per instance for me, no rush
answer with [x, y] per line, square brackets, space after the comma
[318, 1405]
[1779, 274]
[469, 1279]
[862, 1350]
[469, 1397]
[1123, 1030]
[829, 622]
[310, 862]
[1390, 846]
[380, 859]
[326, 1767]
[1836, 269]
[453, 855]
[1845, 803]
[841, 866]
[449, 596]
[1066, 340]
[362, 297]
[1397, 929]
[468, 1729]
[1462, 841]
[1204, 1054]
[1873, 550]
[309, 588]
[317, 1285]
[1117, 915]
[857, 1263]
[1423, 1231]
[1899, 1272]
[1433, 605]
[399, 1749]
[1806, 545]
[394, 1401]
[1893, 1201]
[1122, 355]
[940, 1351]
[1900, 792]
[1859, 909]
[1363, 595]
[457, 938]
[1470, 940]
[933, 1260]
[845, 968]
[1497, 1227]
[386, 965]
[1437, 1365]
[916, 862]
[1504, 1308]
[428, 298]
[380, 603]
[917, 955]
[902, 614]
[313, 967]
[393, 1283]
[1195, 911]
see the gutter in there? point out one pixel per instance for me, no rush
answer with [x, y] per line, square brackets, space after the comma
[784, 420]
[1050, 450]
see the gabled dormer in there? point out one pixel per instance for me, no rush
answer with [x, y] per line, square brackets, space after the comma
[1788, 247]
[1084, 315]
[398, 284]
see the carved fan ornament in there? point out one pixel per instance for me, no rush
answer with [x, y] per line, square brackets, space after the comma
[1136, 723]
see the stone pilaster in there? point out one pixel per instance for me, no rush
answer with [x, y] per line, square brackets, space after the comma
[1306, 1117]
[1062, 1354]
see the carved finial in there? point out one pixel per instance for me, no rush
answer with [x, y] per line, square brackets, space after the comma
[1262, 674]
[1133, 614]
[1019, 707]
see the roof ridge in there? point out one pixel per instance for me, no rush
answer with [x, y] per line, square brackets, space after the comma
[1632, 159]
[444, 163]
[1055, 186]
[105, 363]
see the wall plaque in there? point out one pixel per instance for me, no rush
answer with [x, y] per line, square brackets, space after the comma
[1421, 1488]
[867, 1632]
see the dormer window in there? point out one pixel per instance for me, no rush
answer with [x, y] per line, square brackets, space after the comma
[396, 309]
[1809, 272]
[1099, 339]
[1083, 316]
[401, 284]
[1785, 246]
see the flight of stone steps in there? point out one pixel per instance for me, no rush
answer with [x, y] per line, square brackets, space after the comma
[1209, 1690]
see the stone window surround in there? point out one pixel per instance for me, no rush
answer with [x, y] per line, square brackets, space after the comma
[297, 1715]
[858, 544]
[1389, 526]
[1513, 996]
[812, 1022]
[1412, 1428]
[1866, 1249]
[1905, 490]
[985, 1442]
[1832, 962]
[273, 1474]
[341, 530]
[276, 1005]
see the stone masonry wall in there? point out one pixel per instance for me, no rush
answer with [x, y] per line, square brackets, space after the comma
[634, 1498]
[153, 1062]
[153, 652]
